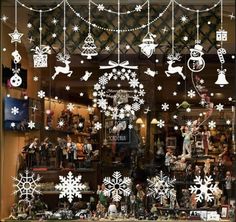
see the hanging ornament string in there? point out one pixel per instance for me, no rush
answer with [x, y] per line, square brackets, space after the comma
[101, 7]
[38, 10]
[121, 30]
[16, 80]
[173, 57]
[195, 10]
[64, 27]
[197, 26]
[118, 26]
[40, 29]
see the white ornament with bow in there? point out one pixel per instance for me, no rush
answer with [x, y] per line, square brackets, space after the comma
[16, 80]
[40, 57]
[113, 64]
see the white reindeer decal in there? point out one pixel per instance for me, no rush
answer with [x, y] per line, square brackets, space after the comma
[177, 69]
[64, 58]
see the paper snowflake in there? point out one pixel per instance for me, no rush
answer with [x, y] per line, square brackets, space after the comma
[116, 186]
[138, 8]
[15, 110]
[41, 94]
[70, 186]
[191, 93]
[203, 188]
[27, 186]
[160, 123]
[160, 187]
[212, 124]
[219, 107]
[70, 106]
[100, 7]
[97, 126]
[103, 80]
[165, 106]
[31, 124]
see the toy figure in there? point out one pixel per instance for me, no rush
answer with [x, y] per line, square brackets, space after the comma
[71, 150]
[207, 167]
[132, 199]
[61, 145]
[179, 165]
[33, 152]
[112, 210]
[100, 210]
[101, 195]
[187, 134]
[80, 149]
[44, 151]
[228, 186]
[197, 171]
[169, 159]
[185, 200]
[193, 201]
[139, 196]
[217, 194]
[173, 199]
[154, 211]
[205, 139]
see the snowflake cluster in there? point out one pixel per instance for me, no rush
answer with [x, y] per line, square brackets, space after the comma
[102, 96]
[116, 186]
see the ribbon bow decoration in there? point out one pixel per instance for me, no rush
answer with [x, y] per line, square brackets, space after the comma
[113, 64]
[41, 50]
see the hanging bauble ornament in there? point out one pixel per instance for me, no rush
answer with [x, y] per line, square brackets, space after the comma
[221, 81]
[89, 48]
[196, 63]
[40, 57]
[15, 80]
[148, 46]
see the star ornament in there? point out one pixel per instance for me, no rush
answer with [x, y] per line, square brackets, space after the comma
[15, 36]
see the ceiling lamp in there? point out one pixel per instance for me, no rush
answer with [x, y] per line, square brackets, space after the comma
[221, 78]
[154, 121]
[139, 121]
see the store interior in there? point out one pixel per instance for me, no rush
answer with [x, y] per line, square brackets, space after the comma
[117, 110]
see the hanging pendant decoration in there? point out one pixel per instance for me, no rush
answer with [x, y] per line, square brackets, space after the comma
[41, 56]
[17, 57]
[16, 80]
[89, 47]
[148, 46]
[196, 63]
[173, 57]
[221, 35]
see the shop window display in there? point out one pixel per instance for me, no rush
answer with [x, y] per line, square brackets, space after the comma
[116, 111]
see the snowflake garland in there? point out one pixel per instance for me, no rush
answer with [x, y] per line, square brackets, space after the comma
[70, 186]
[116, 186]
[203, 188]
[27, 186]
[160, 187]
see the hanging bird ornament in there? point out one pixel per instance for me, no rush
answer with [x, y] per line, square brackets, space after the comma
[196, 63]
[148, 46]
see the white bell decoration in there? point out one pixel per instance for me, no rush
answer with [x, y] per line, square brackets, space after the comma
[221, 78]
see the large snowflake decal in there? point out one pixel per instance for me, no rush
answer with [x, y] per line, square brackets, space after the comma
[70, 186]
[160, 187]
[116, 186]
[27, 186]
[203, 188]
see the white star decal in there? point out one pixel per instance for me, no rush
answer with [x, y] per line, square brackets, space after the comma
[130, 126]
[54, 35]
[191, 93]
[34, 108]
[29, 26]
[54, 21]
[185, 38]
[228, 122]
[15, 110]
[4, 18]
[15, 36]
[107, 48]
[164, 30]
[60, 123]
[160, 123]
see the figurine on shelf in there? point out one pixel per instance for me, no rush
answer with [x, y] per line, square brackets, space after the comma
[44, 151]
[33, 152]
[205, 139]
[187, 134]
[112, 210]
[154, 212]
[197, 171]
[13, 215]
[80, 152]
[101, 195]
[169, 159]
[139, 196]
[207, 167]
[132, 199]
[185, 200]
[228, 186]
[88, 152]
[71, 150]
[100, 210]
[217, 194]
[193, 201]
[179, 165]
[173, 199]
[60, 157]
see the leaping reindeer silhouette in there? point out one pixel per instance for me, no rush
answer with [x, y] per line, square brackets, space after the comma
[64, 58]
[177, 69]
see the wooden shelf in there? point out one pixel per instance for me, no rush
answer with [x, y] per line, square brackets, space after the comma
[53, 192]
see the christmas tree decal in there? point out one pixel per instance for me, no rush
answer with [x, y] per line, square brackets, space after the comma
[89, 48]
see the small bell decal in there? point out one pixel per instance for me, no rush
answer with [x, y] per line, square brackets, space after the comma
[221, 78]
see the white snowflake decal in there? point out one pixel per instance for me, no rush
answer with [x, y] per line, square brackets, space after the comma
[160, 123]
[103, 80]
[184, 19]
[191, 93]
[138, 8]
[165, 106]
[160, 187]
[203, 188]
[41, 94]
[116, 186]
[70, 107]
[70, 186]
[13, 125]
[219, 107]
[97, 126]
[60, 123]
[100, 7]
[134, 83]
[31, 124]
[27, 186]
[15, 110]
[102, 103]
[212, 124]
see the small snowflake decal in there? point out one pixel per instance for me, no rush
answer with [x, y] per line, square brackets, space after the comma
[27, 186]
[116, 186]
[70, 186]
[97, 126]
[103, 80]
[203, 188]
[41, 94]
[15, 110]
[102, 103]
[31, 124]
[184, 19]
[60, 123]
[36, 78]
[160, 123]
[134, 83]
[138, 8]
[191, 93]
[219, 107]
[13, 125]
[100, 7]
[70, 107]
[165, 106]
[212, 124]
